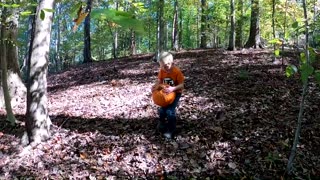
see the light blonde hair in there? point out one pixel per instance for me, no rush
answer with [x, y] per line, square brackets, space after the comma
[166, 57]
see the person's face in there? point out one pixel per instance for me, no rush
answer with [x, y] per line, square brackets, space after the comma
[166, 66]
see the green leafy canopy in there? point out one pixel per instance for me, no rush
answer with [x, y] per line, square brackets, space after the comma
[124, 19]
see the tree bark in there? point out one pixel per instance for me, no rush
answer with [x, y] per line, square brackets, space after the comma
[254, 36]
[87, 58]
[58, 64]
[133, 43]
[232, 27]
[175, 30]
[37, 121]
[203, 27]
[17, 89]
[239, 25]
[160, 32]
[3, 47]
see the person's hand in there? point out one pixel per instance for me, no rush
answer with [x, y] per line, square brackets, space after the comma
[154, 87]
[168, 89]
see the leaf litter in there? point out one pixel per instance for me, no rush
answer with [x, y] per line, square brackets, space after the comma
[236, 119]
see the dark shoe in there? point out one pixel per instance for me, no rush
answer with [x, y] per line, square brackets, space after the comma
[161, 127]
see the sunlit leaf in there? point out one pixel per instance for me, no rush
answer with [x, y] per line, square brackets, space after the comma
[26, 13]
[48, 10]
[303, 58]
[5, 5]
[277, 52]
[275, 41]
[10, 5]
[15, 5]
[290, 70]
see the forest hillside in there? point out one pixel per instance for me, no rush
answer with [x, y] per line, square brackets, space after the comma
[236, 119]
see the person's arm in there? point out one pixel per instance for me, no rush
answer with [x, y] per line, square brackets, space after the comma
[174, 88]
[155, 86]
[179, 87]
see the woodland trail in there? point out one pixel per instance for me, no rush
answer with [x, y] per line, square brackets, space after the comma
[236, 120]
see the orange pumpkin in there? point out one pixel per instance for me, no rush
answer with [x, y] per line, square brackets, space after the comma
[162, 99]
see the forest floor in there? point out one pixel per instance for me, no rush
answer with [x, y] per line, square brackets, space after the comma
[236, 120]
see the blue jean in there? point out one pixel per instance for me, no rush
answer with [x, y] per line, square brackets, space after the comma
[169, 112]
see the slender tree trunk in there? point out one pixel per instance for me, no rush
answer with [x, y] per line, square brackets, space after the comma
[175, 30]
[115, 35]
[114, 50]
[58, 40]
[38, 121]
[254, 36]
[198, 37]
[133, 43]
[160, 36]
[274, 28]
[87, 58]
[284, 33]
[239, 25]
[226, 35]
[180, 28]
[203, 40]
[304, 93]
[232, 27]
[149, 34]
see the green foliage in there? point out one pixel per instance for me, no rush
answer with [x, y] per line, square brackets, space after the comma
[75, 8]
[306, 71]
[295, 25]
[9, 5]
[306, 68]
[291, 70]
[124, 19]
[26, 13]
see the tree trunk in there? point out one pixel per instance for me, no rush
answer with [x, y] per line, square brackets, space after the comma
[3, 58]
[37, 121]
[203, 39]
[160, 33]
[239, 25]
[175, 31]
[232, 27]
[115, 37]
[180, 28]
[273, 27]
[17, 89]
[58, 40]
[254, 36]
[133, 43]
[87, 58]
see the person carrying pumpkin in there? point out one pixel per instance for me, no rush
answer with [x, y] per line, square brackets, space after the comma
[171, 79]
